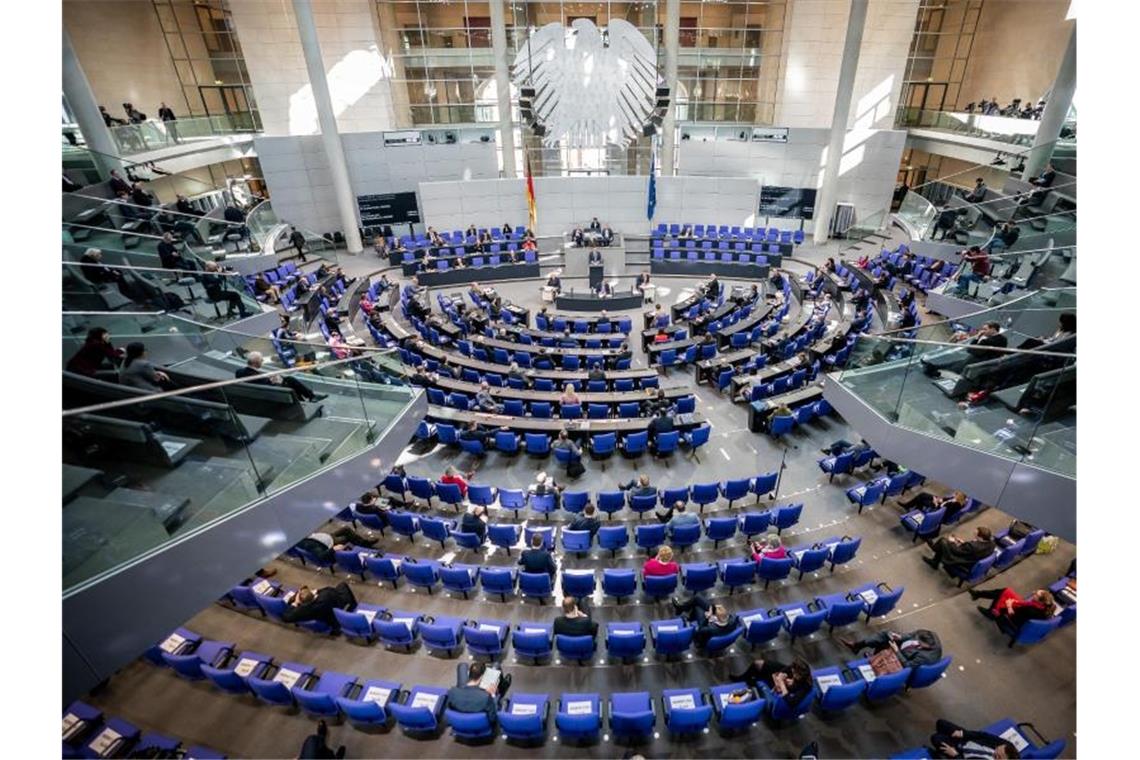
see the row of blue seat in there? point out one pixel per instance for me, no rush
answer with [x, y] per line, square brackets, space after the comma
[619, 583]
[87, 733]
[446, 260]
[600, 446]
[544, 409]
[1024, 736]
[422, 710]
[726, 231]
[544, 384]
[611, 538]
[411, 488]
[757, 255]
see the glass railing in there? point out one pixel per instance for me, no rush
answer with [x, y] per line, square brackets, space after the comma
[917, 213]
[1005, 129]
[145, 467]
[1017, 402]
[154, 134]
[273, 234]
[1010, 274]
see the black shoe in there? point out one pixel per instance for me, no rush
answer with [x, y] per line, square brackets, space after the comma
[986, 611]
[504, 684]
[678, 606]
[931, 561]
[318, 397]
[973, 594]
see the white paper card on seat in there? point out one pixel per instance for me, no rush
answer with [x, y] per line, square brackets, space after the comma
[1014, 737]
[869, 596]
[827, 681]
[106, 739]
[369, 615]
[664, 628]
[867, 672]
[579, 708]
[408, 622]
[534, 630]
[682, 702]
[423, 699]
[793, 613]
[287, 677]
[377, 694]
[173, 641]
[262, 587]
[624, 632]
[69, 724]
[524, 709]
[489, 627]
[244, 667]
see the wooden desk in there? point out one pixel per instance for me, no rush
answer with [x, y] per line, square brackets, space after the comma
[551, 426]
[552, 397]
[506, 345]
[588, 301]
[558, 375]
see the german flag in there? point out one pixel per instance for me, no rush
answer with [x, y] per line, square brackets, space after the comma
[530, 205]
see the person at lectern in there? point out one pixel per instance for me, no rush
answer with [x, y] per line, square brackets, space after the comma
[595, 257]
[595, 225]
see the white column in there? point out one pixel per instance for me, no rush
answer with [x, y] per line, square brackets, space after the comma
[1056, 110]
[503, 87]
[844, 91]
[77, 90]
[671, 43]
[334, 151]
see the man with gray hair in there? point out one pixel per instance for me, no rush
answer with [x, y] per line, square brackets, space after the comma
[252, 368]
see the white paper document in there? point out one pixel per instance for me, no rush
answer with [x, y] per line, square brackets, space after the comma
[579, 708]
[424, 699]
[867, 672]
[1014, 737]
[173, 641]
[244, 667]
[682, 702]
[287, 677]
[103, 743]
[377, 694]
[827, 681]
[524, 709]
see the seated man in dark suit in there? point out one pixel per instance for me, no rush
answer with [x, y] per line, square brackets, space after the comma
[467, 696]
[254, 360]
[554, 281]
[607, 235]
[536, 559]
[586, 520]
[662, 423]
[595, 225]
[951, 740]
[307, 605]
[474, 433]
[951, 551]
[919, 647]
[573, 621]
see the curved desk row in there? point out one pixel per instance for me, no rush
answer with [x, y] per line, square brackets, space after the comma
[588, 301]
[732, 269]
[520, 271]
[552, 397]
[553, 426]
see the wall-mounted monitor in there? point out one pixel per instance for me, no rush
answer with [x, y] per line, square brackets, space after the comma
[794, 202]
[389, 208]
[770, 134]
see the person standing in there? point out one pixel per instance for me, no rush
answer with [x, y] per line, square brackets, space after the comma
[297, 238]
[166, 113]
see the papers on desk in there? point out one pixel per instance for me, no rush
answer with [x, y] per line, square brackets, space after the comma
[287, 677]
[793, 613]
[579, 708]
[682, 702]
[377, 694]
[827, 681]
[1014, 737]
[244, 667]
[71, 725]
[424, 699]
[517, 709]
[869, 596]
[867, 672]
[172, 643]
[262, 587]
[103, 743]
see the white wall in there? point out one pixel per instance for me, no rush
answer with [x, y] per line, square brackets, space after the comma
[563, 202]
[358, 76]
[866, 174]
[300, 186]
[882, 63]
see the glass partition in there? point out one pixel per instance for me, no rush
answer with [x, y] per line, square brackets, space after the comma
[1011, 274]
[151, 458]
[154, 134]
[1007, 129]
[917, 213]
[1016, 401]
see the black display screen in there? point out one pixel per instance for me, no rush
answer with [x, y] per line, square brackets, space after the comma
[389, 208]
[795, 202]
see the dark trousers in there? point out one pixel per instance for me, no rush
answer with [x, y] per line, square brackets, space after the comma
[347, 535]
[316, 747]
[942, 735]
[923, 501]
[695, 609]
[300, 390]
[878, 642]
[232, 299]
[756, 675]
[838, 447]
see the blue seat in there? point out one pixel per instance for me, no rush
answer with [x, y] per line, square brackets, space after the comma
[115, 734]
[923, 524]
[405, 524]
[779, 709]
[760, 626]
[578, 583]
[275, 692]
[625, 641]
[603, 445]
[524, 717]
[578, 648]
[419, 713]
[536, 586]
[319, 699]
[649, 537]
[719, 529]
[514, 407]
[613, 538]
[577, 541]
[620, 584]
[486, 638]
[684, 536]
[629, 409]
[631, 716]
[836, 695]
[736, 573]
[769, 569]
[401, 631]
[384, 569]
[975, 574]
[802, 619]
[686, 711]
[844, 551]
[704, 493]
[575, 501]
[926, 675]
[885, 686]
[781, 424]
[369, 707]
[513, 499]
[842, 609]
[635, 444]
[579, 717]
[436, 530]
[866, 494]
[717, 645]
[735, 716]
[1036, 744]
[422, 574]
[837, 465]
[611, 501]
[659, 586]
[533, 640]
[811, 560]
[459, 579]
[506, 442]
[755, 523]
[787, 516]
[736, 489]
[1031, 631]
[537, 444]
[542, 503]
[500, 581]
[698, 576]
[764, 485]
[671, 637]
[571, 412]
[666, 443]
[540, 409]
[208, 652]
[642, 503]
[227, 679]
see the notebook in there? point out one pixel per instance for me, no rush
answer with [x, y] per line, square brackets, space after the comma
[244, 667]
[172, 643]
[490, 679]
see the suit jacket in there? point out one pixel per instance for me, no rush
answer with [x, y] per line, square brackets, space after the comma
[965, 554]
[322, 606]
[119, 185]
[709, 628]
[471, 699]
[660, 425]
[581, 522]
[537, 561]
[576, 626]
[595, 257]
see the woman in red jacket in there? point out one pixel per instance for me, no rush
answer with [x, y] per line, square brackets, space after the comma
[452, 476]
[662, 564]
[1008, 605]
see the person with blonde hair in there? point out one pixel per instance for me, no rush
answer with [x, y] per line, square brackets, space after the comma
[569, 395]
[1010, 607]
[662, 564]
[770, 548]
